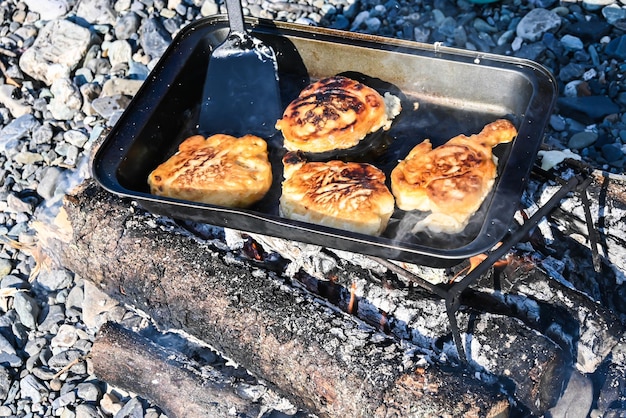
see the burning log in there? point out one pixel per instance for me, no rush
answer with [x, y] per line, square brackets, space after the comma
[583, 327]
[324, 359]
[129, 361]
[529, 365]
[395, 308]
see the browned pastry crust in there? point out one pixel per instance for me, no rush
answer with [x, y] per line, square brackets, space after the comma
[335, 113]
[220, 170]
[349, 196]
[451, 180]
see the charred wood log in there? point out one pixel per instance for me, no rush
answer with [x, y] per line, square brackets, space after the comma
[324, 359]
[588, 330]
[500, 346]
[132, 362]
[612, 397]
[527, 364]
[606, 197]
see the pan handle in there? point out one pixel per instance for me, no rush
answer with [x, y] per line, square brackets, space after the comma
[235, 16]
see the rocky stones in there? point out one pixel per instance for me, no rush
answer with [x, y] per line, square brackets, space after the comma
[588, 31]
[106, 106]
[55, 279]
[118, 86]
[119, 52]
[589, 110]
[5, 268]
[48, 9]
[572, 71]
[71, 67]
[615, 15]
[96, 12]
[617, 48]
[17, 205]
[537, 22]
[66, 99]
[582, 140]
[16, 106]
[154, 38]
[27, 309]
[59, 47]
[127, 25]
[612, 152]
[32, 389]
[572, 43]
[5, 382]
[17, 129]
[209, 8]
[65, 337]
[596, 4]
[51, 317]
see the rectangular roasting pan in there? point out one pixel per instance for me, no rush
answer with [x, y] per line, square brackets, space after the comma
[444, 92]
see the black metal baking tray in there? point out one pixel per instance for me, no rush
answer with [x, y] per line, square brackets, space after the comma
[444, 92]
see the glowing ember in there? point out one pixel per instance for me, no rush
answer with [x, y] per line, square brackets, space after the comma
[384, 322]
[253, 250]
[352, 305]
[475, 261]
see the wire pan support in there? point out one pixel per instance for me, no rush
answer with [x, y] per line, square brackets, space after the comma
[453, 294]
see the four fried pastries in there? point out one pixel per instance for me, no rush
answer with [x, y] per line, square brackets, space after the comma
[450, 181]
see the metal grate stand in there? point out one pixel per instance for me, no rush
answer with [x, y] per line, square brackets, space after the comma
[453, 294]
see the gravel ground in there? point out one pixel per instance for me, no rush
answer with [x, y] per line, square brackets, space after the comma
[70, 67]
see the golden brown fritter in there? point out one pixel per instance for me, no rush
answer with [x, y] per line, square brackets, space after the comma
[349, 196]
[335, 113]
[451, 180]
[220, 170]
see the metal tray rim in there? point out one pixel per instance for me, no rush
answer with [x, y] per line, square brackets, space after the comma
[370, 244]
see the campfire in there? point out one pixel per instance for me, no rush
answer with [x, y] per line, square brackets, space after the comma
[346, 334]
[507, 319]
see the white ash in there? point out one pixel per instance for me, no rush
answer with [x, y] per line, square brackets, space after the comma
[316, 261]
[430, 274]
[612, 219]
[308, 258]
